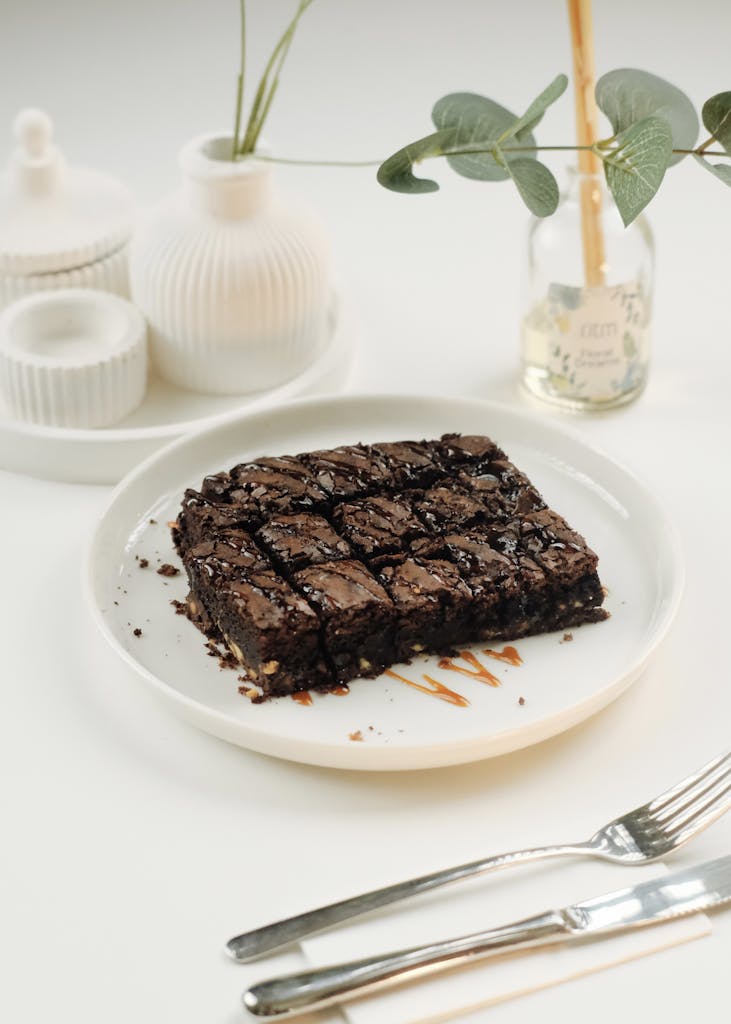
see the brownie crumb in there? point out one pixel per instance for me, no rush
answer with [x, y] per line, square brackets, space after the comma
[356, 737]
[142, 562]
[137, 632]
[166, 569]
[152, 522]
[567, 638]
[521, 701]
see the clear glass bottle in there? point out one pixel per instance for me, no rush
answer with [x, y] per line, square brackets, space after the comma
[585, 346]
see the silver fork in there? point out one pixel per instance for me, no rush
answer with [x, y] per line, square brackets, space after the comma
[645, 834]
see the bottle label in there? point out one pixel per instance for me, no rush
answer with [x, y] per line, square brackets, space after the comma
[597, 339]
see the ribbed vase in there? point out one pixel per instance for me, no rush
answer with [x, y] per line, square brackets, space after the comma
[233, 281]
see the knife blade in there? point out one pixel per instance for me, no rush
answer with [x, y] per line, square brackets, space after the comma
[669, 896]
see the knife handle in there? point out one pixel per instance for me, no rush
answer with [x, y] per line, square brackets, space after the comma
[311, 990]
[250, 945]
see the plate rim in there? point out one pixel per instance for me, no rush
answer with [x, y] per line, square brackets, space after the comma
[360, 757]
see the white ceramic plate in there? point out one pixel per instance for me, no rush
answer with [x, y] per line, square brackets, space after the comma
[561, 683]
[103, 456]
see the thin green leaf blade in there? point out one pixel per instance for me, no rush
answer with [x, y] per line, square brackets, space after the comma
[721, 171]
[535, 183]
[478, 122]
[716, 116]
[537, 109]
[627, 96]
[397, 172]
[634, 169]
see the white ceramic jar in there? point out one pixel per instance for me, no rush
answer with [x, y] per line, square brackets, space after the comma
[232, 279]
[60, 226]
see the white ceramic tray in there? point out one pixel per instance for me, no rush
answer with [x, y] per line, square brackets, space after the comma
[103, 456]
[561, 683]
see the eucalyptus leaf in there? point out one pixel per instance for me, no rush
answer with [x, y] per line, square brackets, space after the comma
[537, 109]
[717, 119]
[478, 123]
[536, 184]
[722, 171]
[636, 166]
[397, 172]
[627, 96]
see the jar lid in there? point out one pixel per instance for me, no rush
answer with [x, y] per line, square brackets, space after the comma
[54, 217]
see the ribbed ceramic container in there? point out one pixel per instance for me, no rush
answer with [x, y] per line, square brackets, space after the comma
[73, 358]
[61, 226]
[110, 274]
[232, 279]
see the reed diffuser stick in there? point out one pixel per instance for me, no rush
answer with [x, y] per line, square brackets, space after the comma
[582, 39]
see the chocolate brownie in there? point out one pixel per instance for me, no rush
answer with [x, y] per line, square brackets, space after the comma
[449, 506]
[200, 519]
[300, 540]
[472, 452]
[351, 471]
[433, 606]
[378, 526]
[409, 463]
[332, 564]
[356, 614]
[275, 486]
[272, 632]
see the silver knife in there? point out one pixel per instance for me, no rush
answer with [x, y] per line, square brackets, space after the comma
[683, 892]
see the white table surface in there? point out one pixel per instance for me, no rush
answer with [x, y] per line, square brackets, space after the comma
[133, 845]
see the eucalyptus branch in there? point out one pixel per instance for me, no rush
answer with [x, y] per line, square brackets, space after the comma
[654, 127]
[700, 151]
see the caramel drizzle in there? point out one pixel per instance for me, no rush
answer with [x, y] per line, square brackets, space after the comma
[302, 697]
[478, 670]
[508, 654]
[434, 689]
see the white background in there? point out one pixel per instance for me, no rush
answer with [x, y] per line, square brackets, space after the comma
[133, 845]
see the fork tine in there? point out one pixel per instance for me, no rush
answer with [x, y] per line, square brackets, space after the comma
[663, 799]
[701, 820]
[692, 796]
[717, 796]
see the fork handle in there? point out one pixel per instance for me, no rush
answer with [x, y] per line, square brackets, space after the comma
[250, 945]
[311, 990]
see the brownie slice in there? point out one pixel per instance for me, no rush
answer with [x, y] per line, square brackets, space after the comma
[433, 606]
[200, 519]
[493, 578]
[572, 592]
[378, 526]
[471, 452]
[216, 486]
[272, 632]
[409, 463]
[350, 471]
[300, 540]
[356, 614]
[231, 555]
[448, 507]
[275, 487]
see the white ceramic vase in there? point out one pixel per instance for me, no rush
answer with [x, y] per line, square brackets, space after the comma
[233, 280]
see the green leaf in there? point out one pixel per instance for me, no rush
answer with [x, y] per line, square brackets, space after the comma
[722, 171]
[627, 96]
[537, 109]
[717, 119]
[536, 184]
[397, 172]
[635, 168]
[477, 122]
